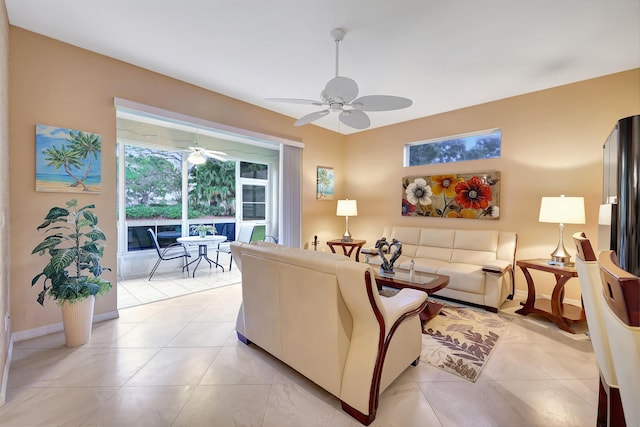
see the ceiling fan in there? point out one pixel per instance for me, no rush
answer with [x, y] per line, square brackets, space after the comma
[339, 95]
[199, 155]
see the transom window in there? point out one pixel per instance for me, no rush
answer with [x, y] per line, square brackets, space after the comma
[457, 148]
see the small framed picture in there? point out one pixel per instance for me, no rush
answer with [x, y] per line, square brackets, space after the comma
[324, 183]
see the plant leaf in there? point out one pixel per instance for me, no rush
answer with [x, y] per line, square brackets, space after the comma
[49, 243]
[56, 212]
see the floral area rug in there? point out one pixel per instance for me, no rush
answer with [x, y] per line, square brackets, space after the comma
[461, 339]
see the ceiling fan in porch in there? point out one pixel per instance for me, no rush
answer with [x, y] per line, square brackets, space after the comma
[339, 96]
[199, 155]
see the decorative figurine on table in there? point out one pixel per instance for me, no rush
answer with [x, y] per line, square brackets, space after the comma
[383, 246]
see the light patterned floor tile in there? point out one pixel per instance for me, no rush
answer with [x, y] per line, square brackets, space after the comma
[225, 405]
[177, 362]
[203, 334]
[175, 366]
[471, 404]
[157, 334]
[547, 403]
[46, 407]
[291, 405]
[404, 405]
[238, 365]
[141, 407]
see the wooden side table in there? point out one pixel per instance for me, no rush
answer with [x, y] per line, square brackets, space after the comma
[555, 309]
[347, 247]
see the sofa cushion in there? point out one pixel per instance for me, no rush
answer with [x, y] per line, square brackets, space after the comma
[407, 235]
[437, 237]
[408, 250]
[435, 244]
[464, 277]
[435, 253]
[475, 246]
[426, 265]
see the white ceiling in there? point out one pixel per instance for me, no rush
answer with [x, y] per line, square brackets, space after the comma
[443, 55]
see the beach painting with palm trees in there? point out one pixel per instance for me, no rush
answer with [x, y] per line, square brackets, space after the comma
[324, 183]
[67, 161]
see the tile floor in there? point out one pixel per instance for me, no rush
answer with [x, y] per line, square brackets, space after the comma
[177, 362]
[163, 285]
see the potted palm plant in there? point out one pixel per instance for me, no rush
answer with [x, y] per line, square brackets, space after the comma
[75, 245]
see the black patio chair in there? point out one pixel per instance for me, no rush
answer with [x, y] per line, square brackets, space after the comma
[173, 251]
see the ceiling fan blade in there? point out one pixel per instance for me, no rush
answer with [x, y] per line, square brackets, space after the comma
[355, 119]
[296, 101]
[214, 155]
[381, 103]
[199, 151]
[311, 117]
[221, 153]
[341, 89]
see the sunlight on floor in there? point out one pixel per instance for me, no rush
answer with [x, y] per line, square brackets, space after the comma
[139, 290]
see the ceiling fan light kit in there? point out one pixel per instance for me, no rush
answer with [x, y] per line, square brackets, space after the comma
[196, 158]
[341, 92]
[199, 155]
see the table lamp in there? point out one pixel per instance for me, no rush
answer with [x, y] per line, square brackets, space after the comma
[347, 208]
[562, 210]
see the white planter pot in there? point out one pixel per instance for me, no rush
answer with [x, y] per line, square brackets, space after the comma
[77, 319]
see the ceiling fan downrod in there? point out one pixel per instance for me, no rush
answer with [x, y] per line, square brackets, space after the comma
[338, 35]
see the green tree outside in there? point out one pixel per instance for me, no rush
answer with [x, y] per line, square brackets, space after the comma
[154, 186]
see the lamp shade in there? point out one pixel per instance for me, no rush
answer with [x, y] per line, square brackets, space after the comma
[562, 210]
[347, 208]
[604, 214]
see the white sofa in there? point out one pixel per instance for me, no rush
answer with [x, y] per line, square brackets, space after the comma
[321, 314]
[479, 262]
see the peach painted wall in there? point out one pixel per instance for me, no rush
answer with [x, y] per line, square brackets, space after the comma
[551, 145]
[57, 84]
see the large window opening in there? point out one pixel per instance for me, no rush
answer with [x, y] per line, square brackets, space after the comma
[154, 197]
[162, 188]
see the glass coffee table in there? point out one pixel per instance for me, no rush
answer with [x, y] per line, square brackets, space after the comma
[426, 282]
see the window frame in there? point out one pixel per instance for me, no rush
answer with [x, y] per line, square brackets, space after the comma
[470, 135]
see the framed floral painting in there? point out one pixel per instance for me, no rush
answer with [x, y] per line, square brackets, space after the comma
[468, 195]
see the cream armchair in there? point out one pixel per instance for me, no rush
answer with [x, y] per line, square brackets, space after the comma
[609, 403]
[621, 309]
[321, 314]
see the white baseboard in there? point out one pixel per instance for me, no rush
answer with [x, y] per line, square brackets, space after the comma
[57, 327]
[106, 316]
[5, 373]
